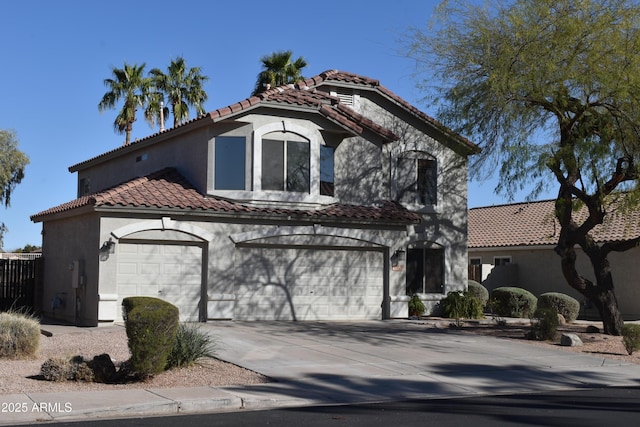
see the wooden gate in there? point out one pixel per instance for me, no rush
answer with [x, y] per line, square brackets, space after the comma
[19, 284]
[475, 272]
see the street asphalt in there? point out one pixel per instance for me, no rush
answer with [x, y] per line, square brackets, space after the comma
[333, 363]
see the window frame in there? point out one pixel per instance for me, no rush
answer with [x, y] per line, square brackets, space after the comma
[286, 174]
[414, 181]
[254, 190]
[502, 260]
[217, 140]
[422, 270]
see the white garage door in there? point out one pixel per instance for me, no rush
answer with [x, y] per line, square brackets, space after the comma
[170, 272]
[308, 284]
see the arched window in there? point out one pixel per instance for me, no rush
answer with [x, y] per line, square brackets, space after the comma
[285, 162]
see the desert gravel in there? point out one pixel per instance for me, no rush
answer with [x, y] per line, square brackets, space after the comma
[21, 376]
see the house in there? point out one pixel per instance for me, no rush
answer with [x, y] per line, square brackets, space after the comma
[329, 199]
[513, 245]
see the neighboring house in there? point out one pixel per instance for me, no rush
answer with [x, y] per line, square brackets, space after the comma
[329, 199]
[513, 245]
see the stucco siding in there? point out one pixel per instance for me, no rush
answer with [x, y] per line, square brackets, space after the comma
[70, 251]
[538, 271]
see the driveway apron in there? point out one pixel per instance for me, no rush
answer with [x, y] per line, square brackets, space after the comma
[344, 362]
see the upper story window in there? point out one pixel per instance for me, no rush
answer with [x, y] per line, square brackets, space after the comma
[285, 163]
[280, 161]
[230, 161]
[327, 176]
[418, 179]
[84, 186]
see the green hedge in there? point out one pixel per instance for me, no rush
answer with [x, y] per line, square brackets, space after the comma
[513, 302]
[478, 291]
[562, 304]
[151, 326]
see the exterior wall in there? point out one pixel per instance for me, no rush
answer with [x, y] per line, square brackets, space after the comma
[185, 152]
[223, 239]
[364, 184]
[538, 270]
[445, 223]
[71, 252]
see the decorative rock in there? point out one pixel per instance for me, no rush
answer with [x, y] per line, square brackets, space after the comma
[103, 368]
[561, 319]
[593, 329]
[570, 340]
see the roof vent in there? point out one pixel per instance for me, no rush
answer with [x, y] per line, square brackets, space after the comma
[345, 97]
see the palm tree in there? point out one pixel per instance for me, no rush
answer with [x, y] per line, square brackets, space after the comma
[130, 85]
[279, 70]
[182, 86]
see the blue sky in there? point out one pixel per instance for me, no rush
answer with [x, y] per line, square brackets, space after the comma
[57, 54]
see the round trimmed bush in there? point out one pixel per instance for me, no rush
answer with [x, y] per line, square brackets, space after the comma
[478, 291]
[563, 304]
[151, 326]
[513, 302]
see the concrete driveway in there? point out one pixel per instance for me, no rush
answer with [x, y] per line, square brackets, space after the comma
[394, 360]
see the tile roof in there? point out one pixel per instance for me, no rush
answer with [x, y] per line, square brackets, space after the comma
[170, 190]
[304, 94]
[534, 223]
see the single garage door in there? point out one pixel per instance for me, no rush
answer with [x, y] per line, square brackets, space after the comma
[308, 284]
[167, 271]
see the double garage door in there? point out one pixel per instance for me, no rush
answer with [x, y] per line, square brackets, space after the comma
[268, 283]
[308, 284]
[169, 272]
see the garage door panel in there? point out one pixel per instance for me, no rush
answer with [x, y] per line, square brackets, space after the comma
[166, 271]
[308, 284]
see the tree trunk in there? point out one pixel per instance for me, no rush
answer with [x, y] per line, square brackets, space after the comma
[607, 306]
[601, 293]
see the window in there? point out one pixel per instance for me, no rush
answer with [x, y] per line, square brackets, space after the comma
[285, 165]
[425, 270]
[84, 187]
[326, 170]
[501, 260]
[427, 175]
[417, 179]
[230, 161]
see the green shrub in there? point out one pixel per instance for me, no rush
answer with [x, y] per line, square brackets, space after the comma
[416, 306]
[462, 305]
[513, 302]
[151, 326]
[19, 335]
[631, 337]
[545, 326]
[191, 344]
[563, 304]
[478, 291]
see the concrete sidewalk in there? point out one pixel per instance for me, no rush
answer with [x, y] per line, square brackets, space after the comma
[326, 363]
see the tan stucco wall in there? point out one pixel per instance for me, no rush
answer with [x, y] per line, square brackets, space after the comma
[538, 270]
[66, 241]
